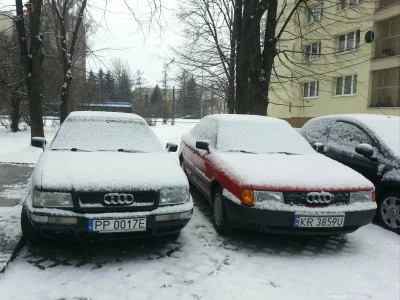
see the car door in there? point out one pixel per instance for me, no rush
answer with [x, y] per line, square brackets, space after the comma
[341, 143]
[201, 177]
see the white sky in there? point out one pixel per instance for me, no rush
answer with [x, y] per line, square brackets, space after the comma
[119, 30]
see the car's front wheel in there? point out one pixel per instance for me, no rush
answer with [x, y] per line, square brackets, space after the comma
[28, 231]
[221, 222]
[389, 210]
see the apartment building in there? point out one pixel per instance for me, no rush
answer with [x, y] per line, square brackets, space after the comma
[327, 63]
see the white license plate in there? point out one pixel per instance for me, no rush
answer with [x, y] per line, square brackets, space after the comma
[305, 221]
[117, 225]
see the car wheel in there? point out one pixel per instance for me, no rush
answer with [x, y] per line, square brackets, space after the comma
[221, 222]
[28, 231]
[389, 211]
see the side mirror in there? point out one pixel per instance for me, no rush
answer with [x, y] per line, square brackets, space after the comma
[365, 150]
[319, 147]
[38, 142]
[172, 147]
[203, 146]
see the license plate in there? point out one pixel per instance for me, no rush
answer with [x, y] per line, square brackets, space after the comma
[300, 221]
[117, 225]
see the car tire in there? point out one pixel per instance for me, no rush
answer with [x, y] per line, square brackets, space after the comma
[221, 222]
[389, 210]
[28, 231]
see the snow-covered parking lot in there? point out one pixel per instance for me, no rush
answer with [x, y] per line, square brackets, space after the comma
[203, 265]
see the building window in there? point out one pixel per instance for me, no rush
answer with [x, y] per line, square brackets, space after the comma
[349, 41]
[346, 85]
[313, 51]
[314, 14]
[347, 3]
[310, 89]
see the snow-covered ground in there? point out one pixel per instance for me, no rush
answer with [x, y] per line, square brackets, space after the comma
[201, 264]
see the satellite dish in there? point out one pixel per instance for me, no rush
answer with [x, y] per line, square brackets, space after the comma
[369, 37]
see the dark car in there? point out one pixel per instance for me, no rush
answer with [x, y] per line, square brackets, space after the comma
[369, 144]
[105, 175]
[258, 173]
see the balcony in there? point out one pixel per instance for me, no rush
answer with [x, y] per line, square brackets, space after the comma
[385, 97]
[388, 47]
[386, 3]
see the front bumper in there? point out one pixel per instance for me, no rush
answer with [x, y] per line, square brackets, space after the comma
[80, 230]
[282, 222]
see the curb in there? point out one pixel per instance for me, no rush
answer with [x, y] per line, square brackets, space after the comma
[15, 251]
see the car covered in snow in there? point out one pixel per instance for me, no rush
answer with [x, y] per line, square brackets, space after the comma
[105, 175]
[259, 173]
[369, 144]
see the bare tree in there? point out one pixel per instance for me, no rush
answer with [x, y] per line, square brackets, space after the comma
[209, 30]
[31, 59]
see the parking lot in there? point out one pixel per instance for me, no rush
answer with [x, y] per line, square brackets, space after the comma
[203, 265]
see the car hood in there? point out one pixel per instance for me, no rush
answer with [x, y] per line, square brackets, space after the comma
[306, 172]
[107, 171]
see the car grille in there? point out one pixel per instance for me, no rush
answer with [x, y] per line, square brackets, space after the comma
[300, 198]
[94, 201]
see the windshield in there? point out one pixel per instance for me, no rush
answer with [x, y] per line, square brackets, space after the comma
[388, 130]
[260, 137]
[102, 134]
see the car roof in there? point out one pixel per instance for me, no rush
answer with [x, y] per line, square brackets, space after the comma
[243, 118]
[105, 115]
[364, 119]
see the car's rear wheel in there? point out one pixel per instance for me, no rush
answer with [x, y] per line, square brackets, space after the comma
[28, 231]
[221, 222]
[389, 210]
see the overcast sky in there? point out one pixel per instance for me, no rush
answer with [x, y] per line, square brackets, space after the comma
[118, 30]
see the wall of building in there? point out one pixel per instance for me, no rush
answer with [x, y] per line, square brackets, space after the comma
[292, 70]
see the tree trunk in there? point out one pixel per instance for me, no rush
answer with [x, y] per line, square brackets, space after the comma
[262, 84]
[15, 104]
[246, 40]
[32, 64]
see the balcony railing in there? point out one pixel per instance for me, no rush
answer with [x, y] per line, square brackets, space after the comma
[387, 47]
[386, 3]
[385, 97]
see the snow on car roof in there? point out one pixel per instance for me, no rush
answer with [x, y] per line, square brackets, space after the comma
[386, 128]
[101, 114]
[247, 118]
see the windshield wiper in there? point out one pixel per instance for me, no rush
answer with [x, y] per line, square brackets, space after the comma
[242, 151]
[124, 150]
[287, 153]
[71, 149]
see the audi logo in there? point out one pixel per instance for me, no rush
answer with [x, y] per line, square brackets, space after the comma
[118, 199]
[314, 198]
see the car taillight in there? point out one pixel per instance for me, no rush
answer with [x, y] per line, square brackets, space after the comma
[373, 196]
[248, 197]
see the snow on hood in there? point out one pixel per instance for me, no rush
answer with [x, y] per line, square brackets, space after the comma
[300, 172]
[107, 171]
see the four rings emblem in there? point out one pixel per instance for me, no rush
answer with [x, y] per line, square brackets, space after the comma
[319, 198]
[118, 199]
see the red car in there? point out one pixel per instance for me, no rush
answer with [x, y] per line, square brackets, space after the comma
[259, 173]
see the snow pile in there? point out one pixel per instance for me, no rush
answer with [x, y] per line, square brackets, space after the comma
[309, 172]
[107, 171]
[107, 131]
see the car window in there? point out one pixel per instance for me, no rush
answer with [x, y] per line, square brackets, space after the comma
[345, 134]
[317, 130]
[206, 130]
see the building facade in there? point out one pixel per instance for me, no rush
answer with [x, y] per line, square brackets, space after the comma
[327, 63]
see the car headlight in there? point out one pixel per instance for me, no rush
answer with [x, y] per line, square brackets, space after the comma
[260, 196]
[365, 196]
[170, 196]
[43, 199]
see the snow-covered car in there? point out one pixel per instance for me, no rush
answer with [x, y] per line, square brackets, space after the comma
[259, 173]
[369, 144]
[106, 175]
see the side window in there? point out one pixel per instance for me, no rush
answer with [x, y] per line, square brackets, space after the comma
[206, 130]
[345, 134]
[316, 130]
